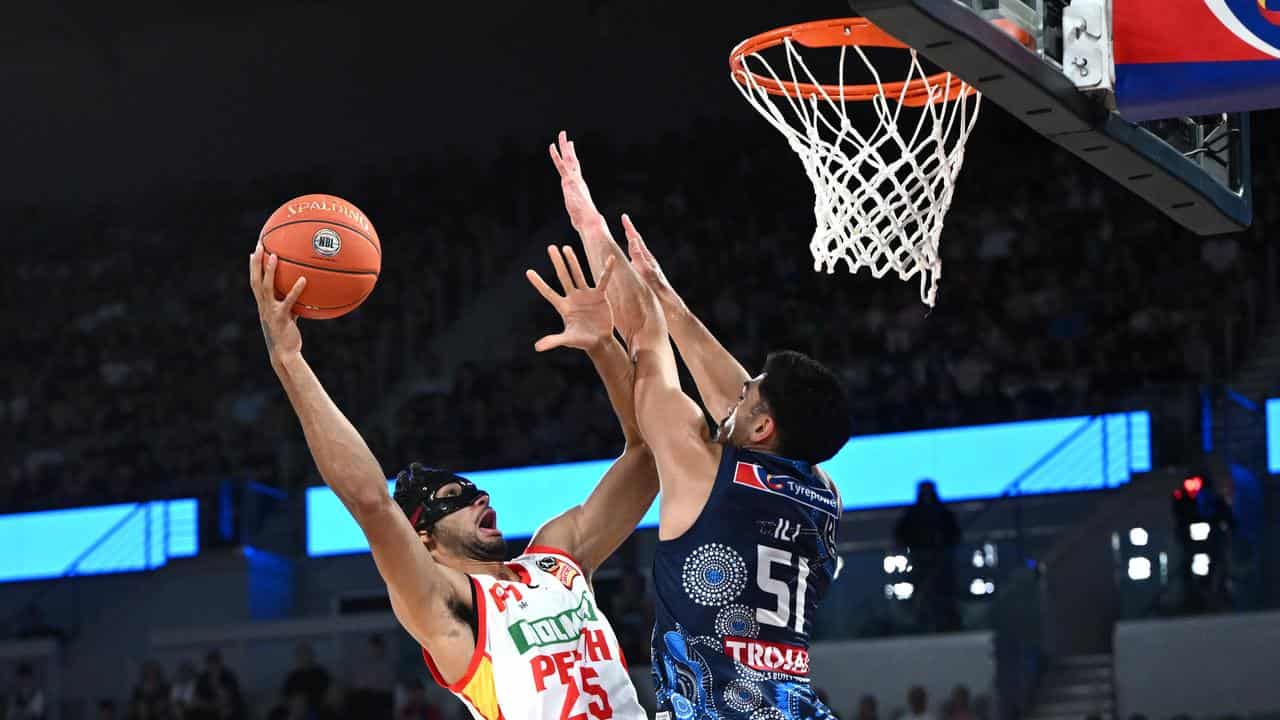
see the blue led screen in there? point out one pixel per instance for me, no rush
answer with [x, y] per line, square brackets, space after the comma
[1273, 435]
[96, 540]
[1059, 455]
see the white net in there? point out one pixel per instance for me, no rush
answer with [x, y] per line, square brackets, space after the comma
[880, 196]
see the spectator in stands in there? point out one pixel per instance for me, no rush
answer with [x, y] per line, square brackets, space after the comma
[867, 709]
[372, 683]
[308, 679]
[183, 692]
[217, 694]
[26, 701]
[959, 706]
[929, 532]
[151, 696]
[416, 706]
[918, 704]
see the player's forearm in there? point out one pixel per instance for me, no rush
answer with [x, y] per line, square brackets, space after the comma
[656, 375]
[617, 374]
[718, 375]
[344, 460]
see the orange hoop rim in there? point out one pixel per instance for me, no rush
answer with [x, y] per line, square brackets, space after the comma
[850, 32]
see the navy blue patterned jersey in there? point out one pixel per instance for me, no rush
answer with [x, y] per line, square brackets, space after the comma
[737, 594]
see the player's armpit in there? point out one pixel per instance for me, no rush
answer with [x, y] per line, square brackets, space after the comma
[425, 595]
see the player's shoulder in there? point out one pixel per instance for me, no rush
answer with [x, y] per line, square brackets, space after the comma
[552, 561]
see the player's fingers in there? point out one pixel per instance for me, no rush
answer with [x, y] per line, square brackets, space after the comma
[255, 268]
[294, 292]
[635, 246]
[562, 273]
[573, 156]
[634, 236]
[549, 342]
[575, 267]
[542, 287]
[269, 277]
[607, 275]
[555, 157]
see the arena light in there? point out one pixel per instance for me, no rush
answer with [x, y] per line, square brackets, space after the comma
[1200, 564]
[895, 564]
[1139, 568]
[1199, 531]
[1193, 485]
[1138, 537]
[903, 590]
[978, 559]
[989, 553]
[981, 587]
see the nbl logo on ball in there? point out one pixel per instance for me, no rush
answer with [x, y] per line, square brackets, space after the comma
[326, 242]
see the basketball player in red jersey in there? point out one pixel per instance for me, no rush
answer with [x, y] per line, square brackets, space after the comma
[516, 639]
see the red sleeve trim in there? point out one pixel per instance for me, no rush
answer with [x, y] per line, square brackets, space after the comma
[548, 550]
[521, 572]
[476, 655]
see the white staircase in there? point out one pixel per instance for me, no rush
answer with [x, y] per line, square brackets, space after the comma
[1074, 688]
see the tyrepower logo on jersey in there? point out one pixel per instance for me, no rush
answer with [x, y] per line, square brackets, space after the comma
[767, 656]
[757, 478]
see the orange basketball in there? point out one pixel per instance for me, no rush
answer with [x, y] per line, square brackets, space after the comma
[333, 244]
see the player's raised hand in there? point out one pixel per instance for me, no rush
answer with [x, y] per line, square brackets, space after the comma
[577, 197]
[645, 264]
[279, 323]
[588, 318]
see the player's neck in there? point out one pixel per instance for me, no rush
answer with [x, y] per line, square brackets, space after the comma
[765, 447]
[493, 568]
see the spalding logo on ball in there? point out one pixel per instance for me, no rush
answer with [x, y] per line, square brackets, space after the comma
[330, 242]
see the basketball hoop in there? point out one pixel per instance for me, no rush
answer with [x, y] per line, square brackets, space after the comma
[880, 196]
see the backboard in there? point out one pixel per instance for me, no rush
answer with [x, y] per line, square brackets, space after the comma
[1164, 115]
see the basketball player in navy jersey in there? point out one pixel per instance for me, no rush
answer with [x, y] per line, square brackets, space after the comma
[747, 524]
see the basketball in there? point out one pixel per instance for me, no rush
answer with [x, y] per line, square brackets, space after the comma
[330, 242]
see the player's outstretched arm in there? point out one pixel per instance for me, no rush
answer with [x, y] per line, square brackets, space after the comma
[718, 375]
[422, 591]
[593, 530]
[670, 421]
[627, 292]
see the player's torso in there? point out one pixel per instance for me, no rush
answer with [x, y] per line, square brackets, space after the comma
[548, 651]
[737, 593]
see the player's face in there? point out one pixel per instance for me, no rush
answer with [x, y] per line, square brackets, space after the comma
[735, 429]
[471, 532]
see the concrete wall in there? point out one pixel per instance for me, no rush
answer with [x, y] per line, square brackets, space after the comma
[887, 668]
[1219, 665]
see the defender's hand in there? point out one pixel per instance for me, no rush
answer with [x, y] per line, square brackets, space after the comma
[279, 324]
[577, 198]
[646, 265]
[588, 318]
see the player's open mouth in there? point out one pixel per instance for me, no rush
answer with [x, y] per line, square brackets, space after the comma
[489, 520]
